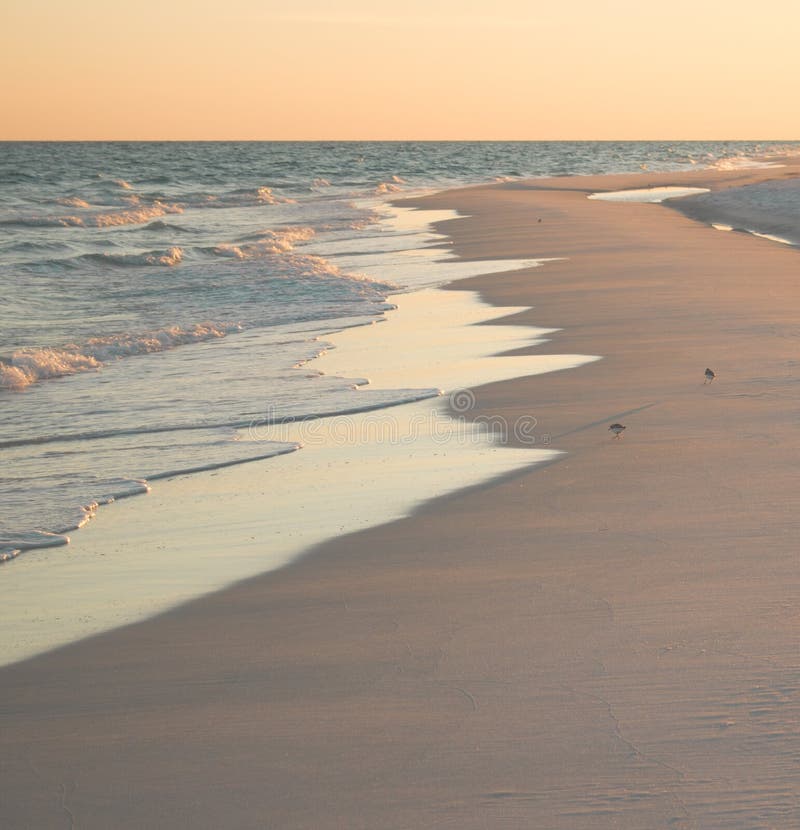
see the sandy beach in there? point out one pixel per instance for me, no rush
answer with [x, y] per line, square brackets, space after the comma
[607, 640]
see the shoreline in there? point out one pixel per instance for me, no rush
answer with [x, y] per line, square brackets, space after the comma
[167, 549]
[605, 641]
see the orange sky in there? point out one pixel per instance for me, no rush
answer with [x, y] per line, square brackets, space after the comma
[416, 69]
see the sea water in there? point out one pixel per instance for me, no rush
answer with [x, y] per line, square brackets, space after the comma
[159, 298]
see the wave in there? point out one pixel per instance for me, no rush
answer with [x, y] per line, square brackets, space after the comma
[134, 216]
[203, 468]
[43, 222]
[71, 201]
[362, 223]
[13, 545]
[115, 490]
[264, 243]
[28, 366]
[742, 162]
[771, 237]
[161, 225]
[137, 210]
[387, 187]
[30, 246]
[171, 256]
[252, 425]
[25, 367]
[247, 197]
[310, 265]
[281, 243]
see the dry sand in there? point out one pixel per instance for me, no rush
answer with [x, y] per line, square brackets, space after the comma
[606, 642]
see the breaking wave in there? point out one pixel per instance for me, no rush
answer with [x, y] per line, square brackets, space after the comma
[264, 243]
[387, 187]
[27, 366]
[114, 218]
[310, 265]
[171, 256]
[237, 198]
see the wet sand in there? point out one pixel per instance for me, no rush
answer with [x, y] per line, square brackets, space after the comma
[605, 641]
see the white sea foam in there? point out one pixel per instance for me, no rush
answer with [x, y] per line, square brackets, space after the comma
[310, 265]
[27, 541]
[743, 162]
[258, 245]
[132, 217]
[647, 194]
[770, 237]
[169, 257]
[112, 347]
[105, 219]
[27, 366]
[363, 222]
[773, 238]
[44, 221]
[119, 489]
[387, 187]
[237, 198]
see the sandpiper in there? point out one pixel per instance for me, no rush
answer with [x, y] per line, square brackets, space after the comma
[616, 429]
[709, 376]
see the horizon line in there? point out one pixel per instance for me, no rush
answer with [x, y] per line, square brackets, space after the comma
[380, 140]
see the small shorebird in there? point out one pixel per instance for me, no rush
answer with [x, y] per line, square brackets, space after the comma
[616, 429]
[709, 376]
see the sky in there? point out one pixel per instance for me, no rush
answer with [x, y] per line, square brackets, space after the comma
[411, 69]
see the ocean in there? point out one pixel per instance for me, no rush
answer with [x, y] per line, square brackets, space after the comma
[160, 298]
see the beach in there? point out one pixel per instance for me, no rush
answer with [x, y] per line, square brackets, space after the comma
[604, 639]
